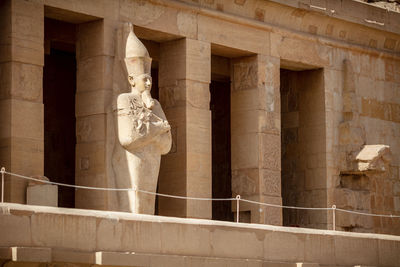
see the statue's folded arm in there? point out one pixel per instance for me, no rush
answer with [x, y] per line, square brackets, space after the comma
[138, 126]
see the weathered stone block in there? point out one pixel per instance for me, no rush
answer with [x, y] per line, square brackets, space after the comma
[13, 228]
[90, 158]
[220, 239]
[245, 74]
[21, 81]
[91, 40]
[67, 232]
[198, 164]
[174, 95]
[198, 60]
[42, 195]
[197, 94]
[271, 182]
[191, 58]
[25, 42]
[198, 139]
[245, 181]
[268, 215]
[94, 73]
[173, 261]
[22, 150]
[184, 238]
[245, 121]
[5, 116]
[121, 259]
[245, 151]
[31, 254]
[321, 250]
[172, 52]
[374, 157]
[233, 35]
[72, 256]
[164, 19]
[92, 102]
[245, 100]
[284, 247]
[348, 251]
[27, 119]
[91, 128]
[198, 117]
[286, 48]
[270, 151]
[388, 252]
[269, 122]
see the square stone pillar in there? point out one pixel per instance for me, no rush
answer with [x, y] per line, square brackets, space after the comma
[255, 136]
[184, 78]
[21, 97]
[95, 53]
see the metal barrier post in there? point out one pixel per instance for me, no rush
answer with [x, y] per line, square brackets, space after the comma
[237, 208]
[334, 217]
[2, 183]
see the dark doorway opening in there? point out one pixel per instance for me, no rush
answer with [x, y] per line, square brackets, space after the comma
[303, 146]
[154, 87]
[59, 88]
[221, 149]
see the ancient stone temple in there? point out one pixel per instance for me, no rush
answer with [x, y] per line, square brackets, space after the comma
[291, 103]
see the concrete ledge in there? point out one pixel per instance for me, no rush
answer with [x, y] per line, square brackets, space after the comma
[116, 238]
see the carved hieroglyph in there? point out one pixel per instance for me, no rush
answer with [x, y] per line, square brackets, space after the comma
[143, 133]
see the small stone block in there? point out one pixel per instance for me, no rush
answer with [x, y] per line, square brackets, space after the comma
[29, 254]
[122, 259]
[42, 195]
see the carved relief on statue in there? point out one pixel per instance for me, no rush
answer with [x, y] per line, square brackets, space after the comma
[143, 133]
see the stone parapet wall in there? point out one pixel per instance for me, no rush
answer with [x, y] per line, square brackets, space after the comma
[32, 233]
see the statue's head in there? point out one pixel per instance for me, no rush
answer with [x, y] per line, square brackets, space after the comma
[138, 64]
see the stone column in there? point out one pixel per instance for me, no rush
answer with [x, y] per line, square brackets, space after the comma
[184, 78]
[94, 94]
[21, 97]
[255, 136]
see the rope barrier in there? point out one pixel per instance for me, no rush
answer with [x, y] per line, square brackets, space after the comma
[368, 214]
[280, 206]
[188, 198]
[116, 189]
[238, 198]
[69, 185]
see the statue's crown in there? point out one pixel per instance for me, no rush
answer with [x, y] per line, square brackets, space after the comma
[137, 59]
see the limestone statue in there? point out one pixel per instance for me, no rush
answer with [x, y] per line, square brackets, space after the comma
[143, 132]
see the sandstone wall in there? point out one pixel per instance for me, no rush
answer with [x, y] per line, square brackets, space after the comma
[363, 109]
[356, 60]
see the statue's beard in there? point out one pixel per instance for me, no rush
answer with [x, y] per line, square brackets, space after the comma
[147, 99]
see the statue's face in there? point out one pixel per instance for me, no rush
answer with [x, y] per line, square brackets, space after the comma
[141, 83]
